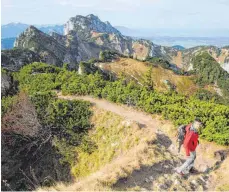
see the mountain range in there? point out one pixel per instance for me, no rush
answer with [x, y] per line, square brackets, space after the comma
[167, 37]
[85, 36]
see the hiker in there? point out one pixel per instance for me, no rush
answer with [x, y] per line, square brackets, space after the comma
[189, 133]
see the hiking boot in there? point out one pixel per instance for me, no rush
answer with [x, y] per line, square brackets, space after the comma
[179, 172]
[193, 170]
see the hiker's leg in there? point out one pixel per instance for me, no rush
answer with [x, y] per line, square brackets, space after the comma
[179, 145]
[189, 162]
[193, 155]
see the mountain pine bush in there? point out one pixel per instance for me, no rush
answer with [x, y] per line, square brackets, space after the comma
[173, 106]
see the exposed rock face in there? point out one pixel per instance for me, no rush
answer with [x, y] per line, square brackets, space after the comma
[85, 25]
[92, 29]
[184, 58]
[5, 84]
[8, 86]
[14, 59]
[57, 49]
[84, 38]
[49, 49]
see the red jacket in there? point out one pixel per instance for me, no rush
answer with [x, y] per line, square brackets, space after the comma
[190, 140]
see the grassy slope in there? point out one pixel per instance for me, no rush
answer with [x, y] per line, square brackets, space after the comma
[113, 136]
[124, 147]
[136, 69]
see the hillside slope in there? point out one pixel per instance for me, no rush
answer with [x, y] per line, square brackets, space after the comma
[149, 165]
[183, 59]
[136, 70]
[162, 78]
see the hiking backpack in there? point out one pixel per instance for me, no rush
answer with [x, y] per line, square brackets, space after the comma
[181, 132]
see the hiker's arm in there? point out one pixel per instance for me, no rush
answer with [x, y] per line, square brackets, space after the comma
[195, 142]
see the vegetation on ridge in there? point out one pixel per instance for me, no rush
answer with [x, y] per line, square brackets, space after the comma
[173, 106]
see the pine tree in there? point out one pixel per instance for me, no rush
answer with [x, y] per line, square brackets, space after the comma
[148, 82]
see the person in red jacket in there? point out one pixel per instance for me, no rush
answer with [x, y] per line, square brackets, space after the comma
[190, 143]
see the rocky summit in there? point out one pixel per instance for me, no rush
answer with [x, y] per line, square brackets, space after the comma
[84, 38]
[85, 25]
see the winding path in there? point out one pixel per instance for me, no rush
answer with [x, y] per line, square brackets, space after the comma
[146, 120]
[127, 112]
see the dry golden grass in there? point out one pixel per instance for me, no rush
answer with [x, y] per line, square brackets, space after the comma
[140, 51]
[177, 60]
[139, 151]
[142, 149]
[122, 166]
[136, 70]
[223, 56]
[220, 177]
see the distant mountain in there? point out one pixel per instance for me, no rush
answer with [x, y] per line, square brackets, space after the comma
[85, 36]
[52, 28]
[179, 47]
[86, 25]
[7, 43]
[13, 30]
[83, 39]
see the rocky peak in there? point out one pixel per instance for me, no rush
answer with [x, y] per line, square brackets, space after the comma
[93, 17]
[50, 48]
[30, 32]
[85, 25]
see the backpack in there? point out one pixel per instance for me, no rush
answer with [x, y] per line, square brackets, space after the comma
[181, 133]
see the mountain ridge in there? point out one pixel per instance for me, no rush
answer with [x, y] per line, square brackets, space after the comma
[91, 35]
[86, 36]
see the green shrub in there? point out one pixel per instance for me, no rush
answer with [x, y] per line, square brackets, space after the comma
[208, 71]
[172, 106]
[38, 77]
[7, 103]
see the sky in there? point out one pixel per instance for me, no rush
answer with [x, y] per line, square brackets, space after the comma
[185, 14]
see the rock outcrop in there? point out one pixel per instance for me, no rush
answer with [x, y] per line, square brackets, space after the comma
[92, 29]
[184, 58]
[84, 38]
[14, 59]
[8, 85]
[85, 25]
[49, 49]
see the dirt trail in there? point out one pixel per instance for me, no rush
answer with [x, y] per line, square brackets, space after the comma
[129, 113]
[161, 176]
